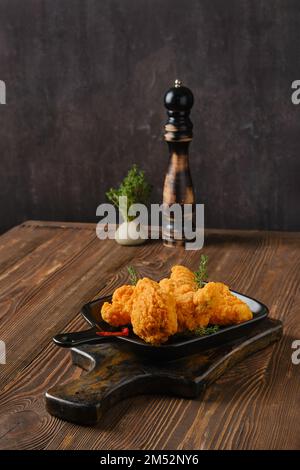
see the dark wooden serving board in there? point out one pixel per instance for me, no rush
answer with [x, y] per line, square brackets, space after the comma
[114, 374]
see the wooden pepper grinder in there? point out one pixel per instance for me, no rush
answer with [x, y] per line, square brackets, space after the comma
[178, 186]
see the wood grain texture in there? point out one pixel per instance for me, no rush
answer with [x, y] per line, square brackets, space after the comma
[53, 269]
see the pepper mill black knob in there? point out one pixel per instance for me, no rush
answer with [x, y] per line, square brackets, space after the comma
[178, 186]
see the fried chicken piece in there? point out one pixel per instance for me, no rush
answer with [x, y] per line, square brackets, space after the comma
[183, 279]
[182, 289]
[153, 314]
[118, 312]
[167, 286]
[215, 302]
[188, 317]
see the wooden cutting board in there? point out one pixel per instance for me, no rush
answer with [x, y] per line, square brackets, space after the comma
[113, 374]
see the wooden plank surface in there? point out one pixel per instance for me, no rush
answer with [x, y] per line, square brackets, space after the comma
[48, 270]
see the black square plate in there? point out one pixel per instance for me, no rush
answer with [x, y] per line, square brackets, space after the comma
[177, 346]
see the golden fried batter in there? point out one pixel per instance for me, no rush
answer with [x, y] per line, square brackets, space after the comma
[187, 316]
[183, 279]
[182, 285]
[216, 302]
[167, 286]
[153, 314]
[118, 312]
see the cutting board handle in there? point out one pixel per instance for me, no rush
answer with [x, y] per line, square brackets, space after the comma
[70, 340]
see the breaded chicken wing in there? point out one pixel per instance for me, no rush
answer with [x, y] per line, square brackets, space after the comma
[167, 286]
[182, 285]
[183, 279]
[220, 306]
[153, 314]
[188, 317]
[118, 312]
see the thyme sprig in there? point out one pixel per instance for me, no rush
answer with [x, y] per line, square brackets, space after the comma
[201, 273]
[200, 331]
[204, 331]
[133, 275]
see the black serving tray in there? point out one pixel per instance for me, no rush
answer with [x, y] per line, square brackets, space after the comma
[176, 347]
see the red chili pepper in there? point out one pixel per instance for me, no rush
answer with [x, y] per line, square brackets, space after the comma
[124, 332]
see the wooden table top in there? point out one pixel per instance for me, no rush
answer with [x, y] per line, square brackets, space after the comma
[48, 270]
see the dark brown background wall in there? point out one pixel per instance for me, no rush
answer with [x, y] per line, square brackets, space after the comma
[85, 81]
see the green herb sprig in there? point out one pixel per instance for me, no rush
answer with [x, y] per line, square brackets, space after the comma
[201, 273]
[135, 187]
[200, 331]
[204, 331]
[133, 275]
